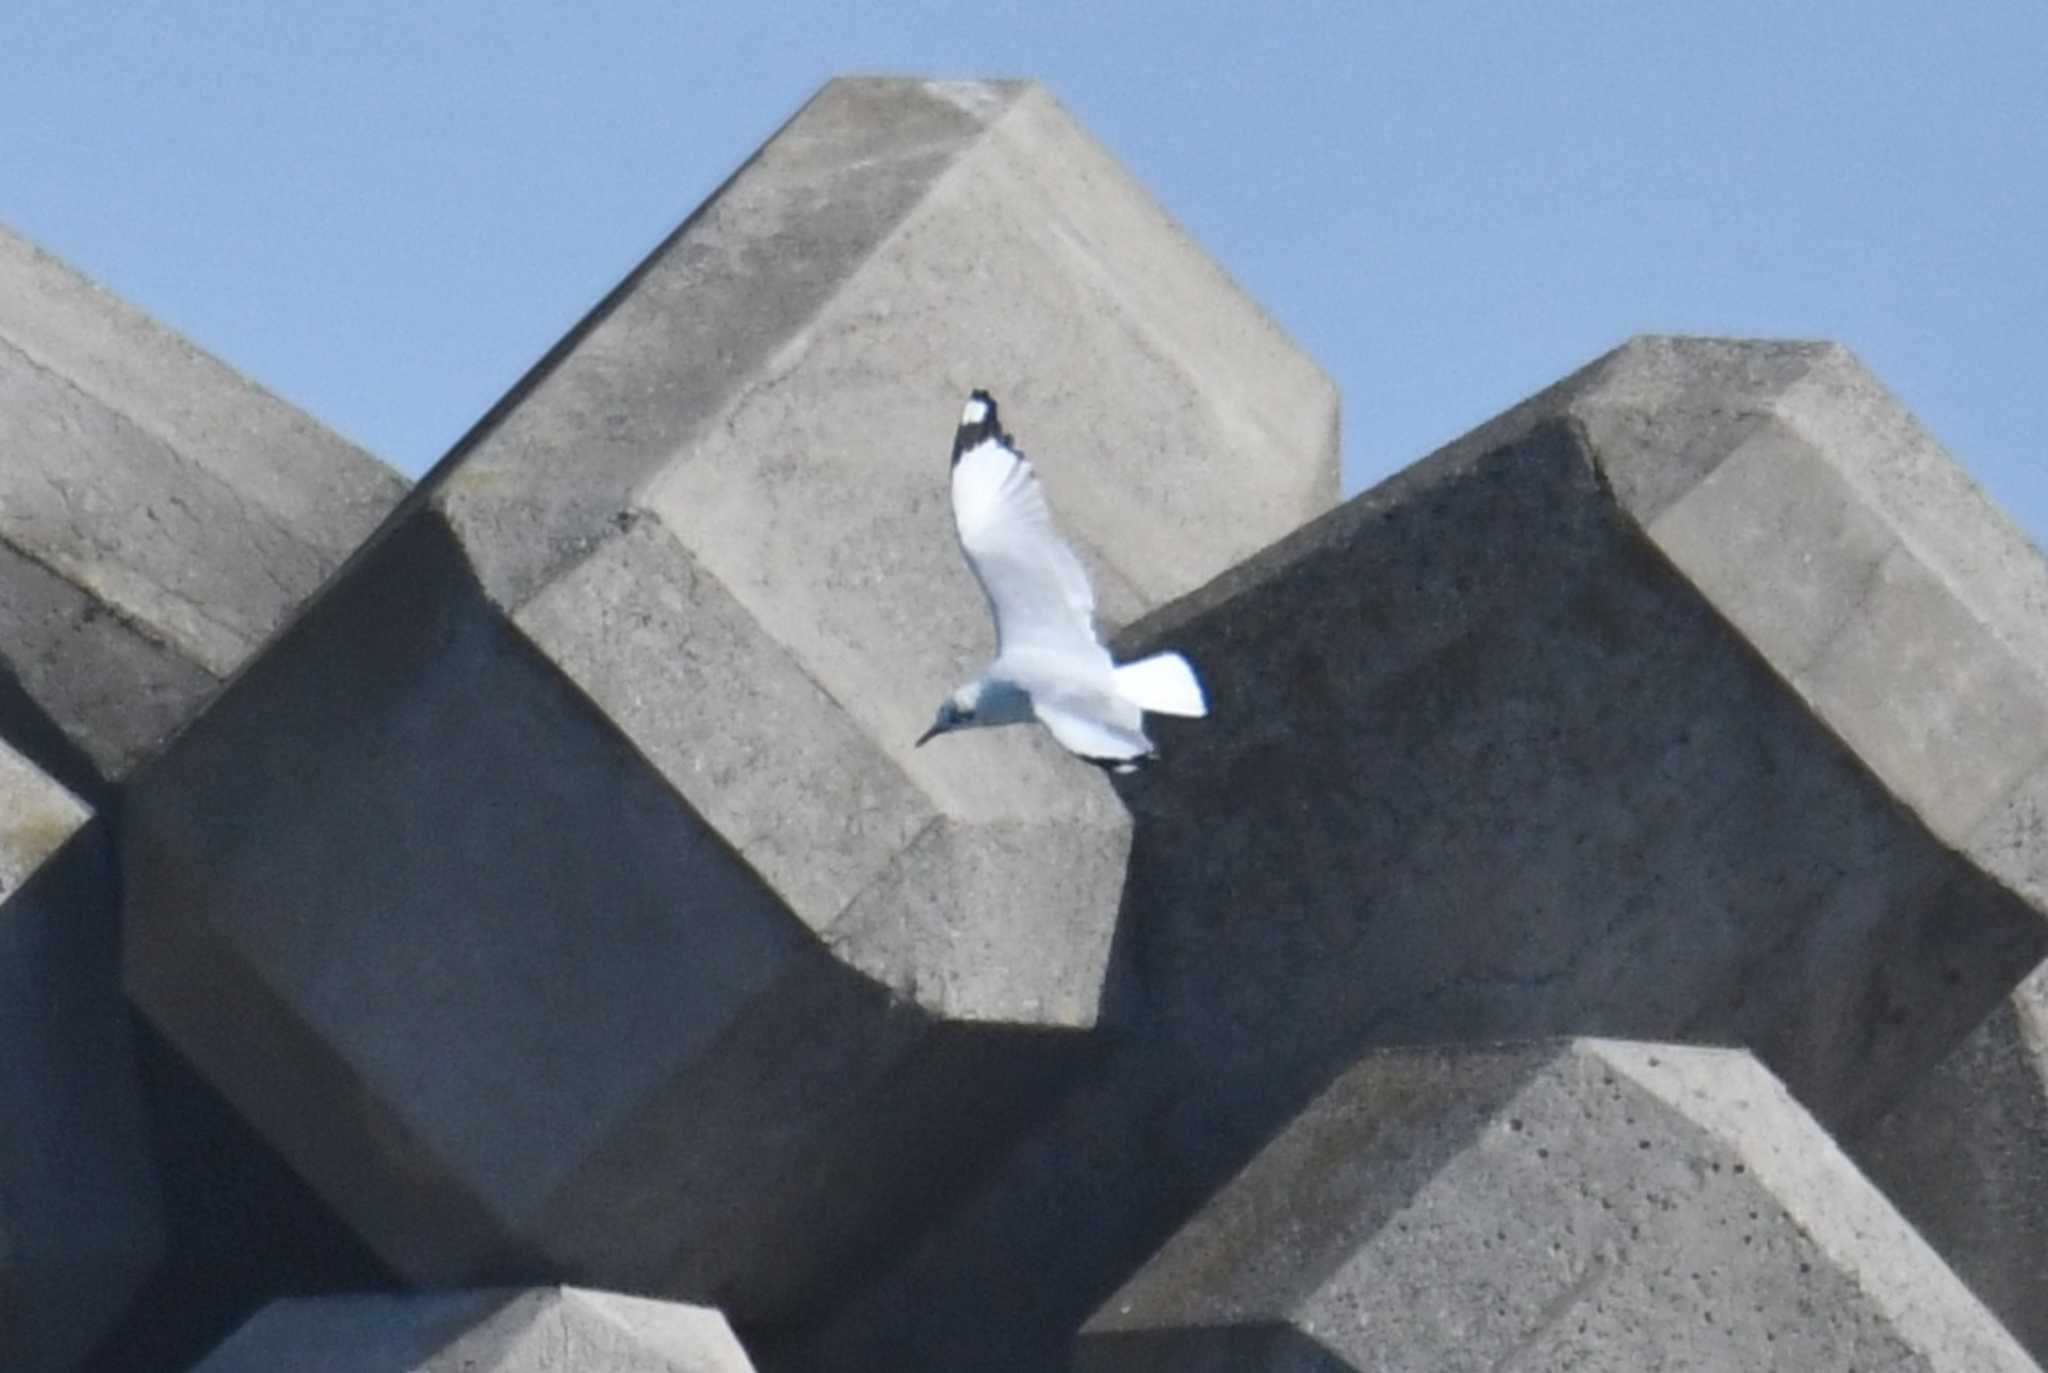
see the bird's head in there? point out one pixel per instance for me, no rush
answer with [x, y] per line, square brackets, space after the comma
[955, 712]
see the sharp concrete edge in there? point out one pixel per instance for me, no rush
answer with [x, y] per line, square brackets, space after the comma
[1594, 1204]
[160, 516]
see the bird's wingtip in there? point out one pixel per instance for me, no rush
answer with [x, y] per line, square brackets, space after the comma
[978, 423]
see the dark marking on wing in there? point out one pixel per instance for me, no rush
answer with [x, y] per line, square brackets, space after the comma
[968, 436]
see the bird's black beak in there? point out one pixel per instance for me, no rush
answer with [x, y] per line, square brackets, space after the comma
[928, 735]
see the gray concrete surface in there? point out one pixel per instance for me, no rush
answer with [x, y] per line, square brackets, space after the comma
[160, 516]
[538, 1330]
[1578, 1206]
[80, 1218]
[1512, 746]
[1965, 1158]
[803, 343]
[561, 893]
[1521, 728]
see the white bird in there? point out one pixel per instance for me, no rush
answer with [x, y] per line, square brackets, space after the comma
[1049, 665]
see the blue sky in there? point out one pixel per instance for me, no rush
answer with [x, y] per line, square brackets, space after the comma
[386, 212]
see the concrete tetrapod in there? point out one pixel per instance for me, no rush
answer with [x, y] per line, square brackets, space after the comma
[160, 516]
[561, 894]
[80, 1220]
[535, 1330]
[1701, 694]
[1585, 1206]
[1699, 697]
[1965, 1158]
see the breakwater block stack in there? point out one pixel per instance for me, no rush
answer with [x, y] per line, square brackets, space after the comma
[541, 941]
[1699, 697]
[560, 894]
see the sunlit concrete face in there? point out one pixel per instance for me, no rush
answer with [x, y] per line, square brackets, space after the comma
[160, 517]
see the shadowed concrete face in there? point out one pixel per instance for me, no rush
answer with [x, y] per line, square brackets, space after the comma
[541, 1330]
[1532, 743]
[561, 894]
[1513, 746]
[159, 518]
[80, 1221]
[1545, 787]
[1965, 1157]
[1590, 1205]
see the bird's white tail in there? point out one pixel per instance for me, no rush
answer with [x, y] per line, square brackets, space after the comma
[1163, 684]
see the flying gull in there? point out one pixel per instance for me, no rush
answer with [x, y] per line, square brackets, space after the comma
[1049, 664]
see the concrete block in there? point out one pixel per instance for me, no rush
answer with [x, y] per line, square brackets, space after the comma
[1696, 698]
[771, 378]
[80, 1221]
[1964, 1156]
[561, 894]
[534, 1330]
[160, 516]
[1581, 1206]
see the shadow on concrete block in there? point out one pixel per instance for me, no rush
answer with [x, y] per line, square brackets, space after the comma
[81, 1224]
[1587, 1205]
[1965, 1157]
[1691, 700]
[241, 1229]
[504, 999]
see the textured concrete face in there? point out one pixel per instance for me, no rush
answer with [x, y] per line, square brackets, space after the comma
[159, 517]
[767, 403]
[543, 1330]
[1965, 1158]
[80, 1224]
[647, 1071]
[1520, 733]
[1505, 749]
[800, 348]
[594, 771]
[1586, 1206]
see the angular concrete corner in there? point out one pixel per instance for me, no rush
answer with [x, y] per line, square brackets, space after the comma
[778, 381]
[540, 1330]
[561, 893]
[1590, 1205]
[80, 1220]
[1965, 1158]
[1699, 695]
[1697, 698]
[159, 518]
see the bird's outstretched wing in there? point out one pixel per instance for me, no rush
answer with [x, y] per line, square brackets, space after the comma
[1037, 589]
